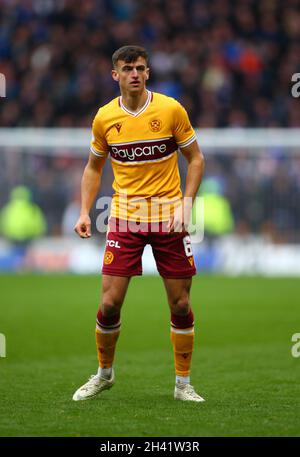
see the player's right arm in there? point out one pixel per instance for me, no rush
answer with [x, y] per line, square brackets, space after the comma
[90, 183]
[91, 178]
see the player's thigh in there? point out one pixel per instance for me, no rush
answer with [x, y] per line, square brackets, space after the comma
[173, 254]
[114, 289]
[123, 251]
[178, 293]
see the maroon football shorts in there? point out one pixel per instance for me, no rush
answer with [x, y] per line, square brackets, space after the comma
[124, 249]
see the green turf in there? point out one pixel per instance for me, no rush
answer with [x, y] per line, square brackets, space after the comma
[242, 362]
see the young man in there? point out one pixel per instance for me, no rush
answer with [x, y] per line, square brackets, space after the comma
[142, 131]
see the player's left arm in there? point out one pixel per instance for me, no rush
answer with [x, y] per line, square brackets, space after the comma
[185, 137]
[195, 171]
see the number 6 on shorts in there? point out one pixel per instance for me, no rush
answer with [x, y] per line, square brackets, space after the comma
[187, 246]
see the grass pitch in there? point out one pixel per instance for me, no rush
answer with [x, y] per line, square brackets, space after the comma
[242, 363]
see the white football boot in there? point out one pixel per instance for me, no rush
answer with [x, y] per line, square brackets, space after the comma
[186, 392]
[93, 387]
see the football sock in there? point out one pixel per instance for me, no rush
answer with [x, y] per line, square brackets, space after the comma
[107, 334]
[105, 372]
[182, 379]
[182, 337]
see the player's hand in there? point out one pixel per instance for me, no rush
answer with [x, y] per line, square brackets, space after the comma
[180, 220]
[83, 226]
[175, 224]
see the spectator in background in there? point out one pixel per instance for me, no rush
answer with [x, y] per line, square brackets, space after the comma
[21, 220]
[218, 217]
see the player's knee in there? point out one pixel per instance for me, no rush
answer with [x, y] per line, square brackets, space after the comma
[180, 306]
[110, 308]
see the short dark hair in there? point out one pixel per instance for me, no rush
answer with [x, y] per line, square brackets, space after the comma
[129, 54]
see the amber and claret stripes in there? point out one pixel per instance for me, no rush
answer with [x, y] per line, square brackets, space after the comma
[107, 334]
[182, 337]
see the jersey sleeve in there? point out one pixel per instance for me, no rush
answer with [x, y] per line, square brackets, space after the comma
[99, 146]
[183, 132]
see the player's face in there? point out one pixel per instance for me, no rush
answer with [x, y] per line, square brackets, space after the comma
[131, 76]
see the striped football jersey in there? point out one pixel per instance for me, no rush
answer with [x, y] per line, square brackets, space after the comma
[143, 149]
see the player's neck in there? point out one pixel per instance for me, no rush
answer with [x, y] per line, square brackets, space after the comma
[134, 102]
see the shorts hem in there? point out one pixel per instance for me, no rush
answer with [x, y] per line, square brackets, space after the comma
[121, 273]
[177, 275]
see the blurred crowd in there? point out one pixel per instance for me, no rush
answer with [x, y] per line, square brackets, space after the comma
[229, 62]
[263, 191]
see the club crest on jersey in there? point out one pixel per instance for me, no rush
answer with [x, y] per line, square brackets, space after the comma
[118, 126]
[108, 257]
[155, 125]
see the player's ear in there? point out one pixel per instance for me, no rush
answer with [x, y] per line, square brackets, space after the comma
[147, 73]
[115, 75]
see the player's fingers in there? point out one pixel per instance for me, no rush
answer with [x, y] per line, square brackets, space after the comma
[178, 225]
[170, 225]
[81, 230]
[85, 231]
[171, 228]
[88, 230]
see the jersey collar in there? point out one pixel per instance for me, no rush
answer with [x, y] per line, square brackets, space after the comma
[137, 113]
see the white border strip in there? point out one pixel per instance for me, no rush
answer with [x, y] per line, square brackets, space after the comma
[98, 153]
[140, 111]
[142, 161]
[187, 142]
[114, 330]
[183, 331]
[139, 141]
